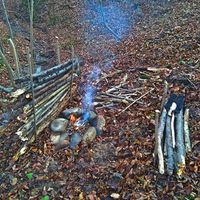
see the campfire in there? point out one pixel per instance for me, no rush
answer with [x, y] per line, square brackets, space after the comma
[79, 125]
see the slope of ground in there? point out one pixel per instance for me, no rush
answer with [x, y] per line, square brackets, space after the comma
[119, 163]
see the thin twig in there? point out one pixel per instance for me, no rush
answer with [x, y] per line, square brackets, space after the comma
[136, 101]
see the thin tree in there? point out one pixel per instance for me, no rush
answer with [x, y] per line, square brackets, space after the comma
[7, 20]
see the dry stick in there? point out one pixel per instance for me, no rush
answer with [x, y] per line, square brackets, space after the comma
[58, 53]
[72, 74]
[31, 67]
[164, 96]
[119, 38]
[180, 147]
[119, 97]
[169, 145]
[108, 75]
[18, 68]
[7, 20]
[160, 141]
[134, 101]
[186, 131]
[11, 73]
[155, 160]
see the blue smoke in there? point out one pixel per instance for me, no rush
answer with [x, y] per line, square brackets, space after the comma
[114, 18]
[90, 91]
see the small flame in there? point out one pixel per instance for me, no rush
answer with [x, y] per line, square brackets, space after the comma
[72, 118]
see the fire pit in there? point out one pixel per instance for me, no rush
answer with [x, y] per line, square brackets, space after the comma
[78, 125]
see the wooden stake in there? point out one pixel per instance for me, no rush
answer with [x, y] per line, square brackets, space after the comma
[72, 73]
[31, 68]
[58, 52]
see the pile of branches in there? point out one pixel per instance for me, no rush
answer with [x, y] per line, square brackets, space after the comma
[51, 93]
[118, 94]
[172, 135]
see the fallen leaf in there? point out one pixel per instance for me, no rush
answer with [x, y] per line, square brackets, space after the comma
[14, 181]
[115, 195]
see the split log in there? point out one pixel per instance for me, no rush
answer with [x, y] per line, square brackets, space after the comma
[62, 102]
[159, 151]
[155, 160]
[180, 147]
[168, 138]
[186, 131]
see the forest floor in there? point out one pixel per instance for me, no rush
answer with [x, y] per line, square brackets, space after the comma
[118, 164]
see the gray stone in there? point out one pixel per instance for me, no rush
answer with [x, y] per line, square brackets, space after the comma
[75, 140]
[56, 138]
[90, 134]
[101, 122]
[77, 112]
[59, 124]
[62, 145]
[92, 115]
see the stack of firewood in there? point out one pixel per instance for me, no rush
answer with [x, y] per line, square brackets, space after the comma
[51, 94]
[172, 136]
